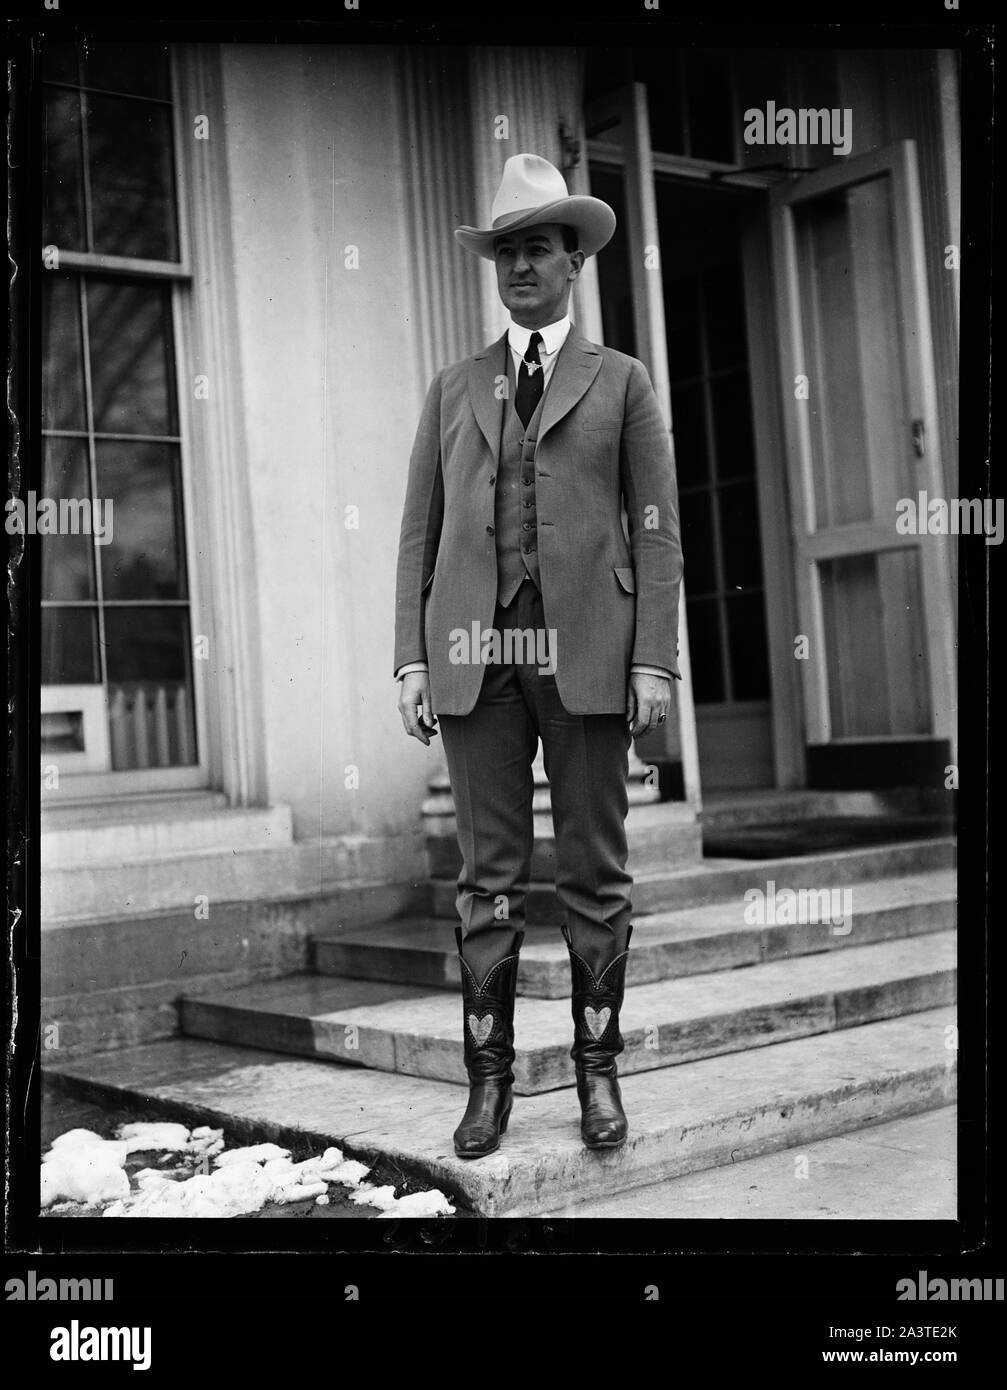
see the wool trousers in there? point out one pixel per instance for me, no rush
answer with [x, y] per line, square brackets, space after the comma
[490, 753]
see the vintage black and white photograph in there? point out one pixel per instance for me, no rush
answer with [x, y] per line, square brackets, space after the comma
[498, 512]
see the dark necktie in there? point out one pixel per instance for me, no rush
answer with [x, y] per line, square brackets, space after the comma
[529, 380]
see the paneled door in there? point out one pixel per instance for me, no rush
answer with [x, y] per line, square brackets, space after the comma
[875, 604]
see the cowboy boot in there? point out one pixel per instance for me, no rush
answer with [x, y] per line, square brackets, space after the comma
[597, 1042]
[488, 1026]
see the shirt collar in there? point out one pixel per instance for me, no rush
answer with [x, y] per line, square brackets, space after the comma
[553, 336]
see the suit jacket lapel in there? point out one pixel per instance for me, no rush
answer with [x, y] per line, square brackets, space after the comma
[577, 365]
[487, 402]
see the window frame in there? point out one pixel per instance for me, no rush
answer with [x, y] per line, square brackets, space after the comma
[179, 275]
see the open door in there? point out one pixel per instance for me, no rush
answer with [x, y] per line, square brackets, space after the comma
[875, 606]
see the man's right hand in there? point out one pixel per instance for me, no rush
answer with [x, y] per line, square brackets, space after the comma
[418, 719]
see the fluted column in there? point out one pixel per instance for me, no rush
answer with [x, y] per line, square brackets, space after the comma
[436, 146]
[523, 95]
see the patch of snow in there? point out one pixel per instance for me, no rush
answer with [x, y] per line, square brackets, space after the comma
[300, 1192]
[76, 1140]
[257, 1153]
[380, 1197]
[349, 1173]
[82, 1167]
[324, 1166]
[433, 1203]
[147, 1176]
[146, 1136]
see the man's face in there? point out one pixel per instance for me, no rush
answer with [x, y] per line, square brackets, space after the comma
[534, 273]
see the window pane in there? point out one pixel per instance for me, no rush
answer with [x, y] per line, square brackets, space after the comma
[704, 650]
[613, 267]
[129, 327]
[739, 529]
[68, 560]
[59, 62]
[661, 69]
[689, 429]
[141, 68]
[711, 106]
[681, 316]
[62, 355]
[62, 183]
[697, 541]
[69, 646]
[732, 424]
[746, 638]
[145, 557]
[147, 643]
[132, 203]
[725, 315]
[149, 687]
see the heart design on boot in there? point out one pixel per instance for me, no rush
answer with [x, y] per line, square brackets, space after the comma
[480, 1028]
[597, 1020]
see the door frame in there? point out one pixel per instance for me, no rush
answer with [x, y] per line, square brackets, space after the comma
[639, 163]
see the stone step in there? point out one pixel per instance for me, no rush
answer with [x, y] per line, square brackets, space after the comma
[230, 874]
[714, 880]
[689, 941]
[773, 839]
[901, 1170]
[398, 1028]
[64, 810]
[660, 835]
[153, 830]
[682, 1119]
[730, 810]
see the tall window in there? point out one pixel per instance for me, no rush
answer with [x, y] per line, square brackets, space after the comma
[116, 632]
[691, 98]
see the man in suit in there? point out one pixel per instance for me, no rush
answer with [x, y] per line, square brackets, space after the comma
[541, 504]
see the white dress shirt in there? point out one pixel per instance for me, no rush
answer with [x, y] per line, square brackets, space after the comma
[553, 335]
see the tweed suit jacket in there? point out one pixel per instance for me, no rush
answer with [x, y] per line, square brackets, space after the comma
[609, 547]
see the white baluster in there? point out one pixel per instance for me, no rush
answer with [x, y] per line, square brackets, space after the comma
[118, 730]
[161, 738]
[183, 729]
[141, 732]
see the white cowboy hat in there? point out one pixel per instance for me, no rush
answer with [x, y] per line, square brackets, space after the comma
[531, 191]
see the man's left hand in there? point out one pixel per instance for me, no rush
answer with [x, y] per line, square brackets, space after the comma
[647, 703]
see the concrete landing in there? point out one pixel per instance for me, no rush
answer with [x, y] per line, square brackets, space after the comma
[903, 1170]
[683, 1119]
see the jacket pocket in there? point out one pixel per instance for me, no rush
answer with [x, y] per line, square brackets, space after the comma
[626, 577]
[614, 423]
